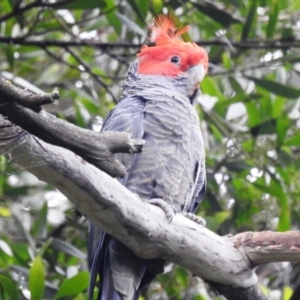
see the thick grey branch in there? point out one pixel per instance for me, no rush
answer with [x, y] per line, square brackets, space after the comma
[139, 225]
[267, 246]
[253, 292]
[96, 148]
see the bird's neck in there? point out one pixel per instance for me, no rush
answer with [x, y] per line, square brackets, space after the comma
[135, 83]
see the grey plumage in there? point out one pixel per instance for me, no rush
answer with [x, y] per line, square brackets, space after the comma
[171, 167]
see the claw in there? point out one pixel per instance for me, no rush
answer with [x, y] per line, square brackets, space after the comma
[195, 218]
[168, 209]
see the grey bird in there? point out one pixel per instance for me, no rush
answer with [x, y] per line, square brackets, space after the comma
[158, 106]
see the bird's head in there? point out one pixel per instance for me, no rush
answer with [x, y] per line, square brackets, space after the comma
[170, 56]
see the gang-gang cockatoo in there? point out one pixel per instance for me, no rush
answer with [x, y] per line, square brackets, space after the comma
[157, 105]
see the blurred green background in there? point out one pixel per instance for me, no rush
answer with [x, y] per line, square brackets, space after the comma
[249, 114]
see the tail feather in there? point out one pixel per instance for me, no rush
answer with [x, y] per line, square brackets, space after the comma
[121, 272]
[126, 269]
[107, 290]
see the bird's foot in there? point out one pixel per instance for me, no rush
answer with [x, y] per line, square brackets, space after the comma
[169, 210]
[195, 218]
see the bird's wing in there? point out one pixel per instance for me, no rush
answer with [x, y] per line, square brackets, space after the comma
[200, 186]
[128, 116]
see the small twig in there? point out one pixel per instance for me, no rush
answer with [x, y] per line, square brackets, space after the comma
[75, 67]
[59, 59]
[94, 147]
[273, 62]
[24, 98]
[248, 44]
[88, 69]
[34, 24]
[38, 3]
[268, 246]
[61, 21]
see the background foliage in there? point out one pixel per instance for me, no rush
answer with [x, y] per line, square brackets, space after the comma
[250, 121]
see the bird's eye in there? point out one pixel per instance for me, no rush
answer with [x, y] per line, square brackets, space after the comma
[175, 59]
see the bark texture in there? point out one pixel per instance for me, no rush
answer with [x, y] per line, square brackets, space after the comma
[24, 109]
[224, 262]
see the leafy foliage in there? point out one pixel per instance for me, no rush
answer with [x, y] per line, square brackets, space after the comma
[249, 112]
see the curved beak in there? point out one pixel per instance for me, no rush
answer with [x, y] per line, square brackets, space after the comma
[196, 73]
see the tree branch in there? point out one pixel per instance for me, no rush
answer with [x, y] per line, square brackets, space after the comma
[248, 44]
[36, 4]
[96, 148]
[24, 98]
[266, 246]
[140, 226]
[226, 263]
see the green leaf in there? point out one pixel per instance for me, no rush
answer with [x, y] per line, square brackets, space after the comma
[5, 212]
[214, 222]
[51, 75]
[182, 277]
[250, 20]
[253, 116]
[287, 33]
[140, 8]
[200, 297]
[236, 86]
[216, 13]
[24, 232]
[9, 286]
[273, 18]
[265, 108]
[284, 174]
[90, 106]
[277, 88]
[267, 127]
[157, 5]
[80, 121]
[237, 166]
[20, 252]
[282, 126]
[45, 246]
[216, 132]
[273, 190]
[37, 279]
[19, 17]
[66, 247]
[5, 6]
[221, 217]
[294, 141]
[210, 87]
[278, 107]
[227, 60]
[9, 49]
[287, 293]
[285, 215]
[73, 285]
[41, 222]
[276, 190]
[109, 12]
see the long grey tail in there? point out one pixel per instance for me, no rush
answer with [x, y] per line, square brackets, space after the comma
[121, 272]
